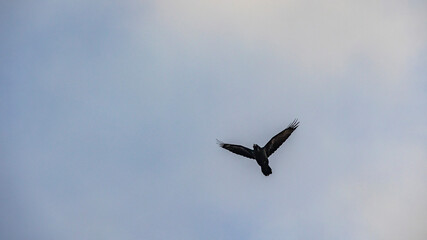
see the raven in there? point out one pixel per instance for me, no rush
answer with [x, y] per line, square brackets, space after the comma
[261, 154]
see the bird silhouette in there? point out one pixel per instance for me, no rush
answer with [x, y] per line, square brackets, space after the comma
[261, 154]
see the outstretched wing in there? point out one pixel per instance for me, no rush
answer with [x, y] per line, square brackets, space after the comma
[280, 138]
[244, 151]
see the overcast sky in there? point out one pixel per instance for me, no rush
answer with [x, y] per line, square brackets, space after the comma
[110, 111]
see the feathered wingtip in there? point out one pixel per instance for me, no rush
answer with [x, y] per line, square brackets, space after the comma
[294, 124]
[219, 143]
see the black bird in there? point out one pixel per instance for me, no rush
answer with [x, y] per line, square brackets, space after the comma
[261, 154]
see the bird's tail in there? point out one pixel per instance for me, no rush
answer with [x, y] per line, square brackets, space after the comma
[266, 170]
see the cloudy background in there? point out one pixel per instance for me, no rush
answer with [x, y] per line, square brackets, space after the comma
[110, 111]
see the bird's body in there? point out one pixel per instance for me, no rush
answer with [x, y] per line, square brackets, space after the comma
[261, 154]
[262, 159]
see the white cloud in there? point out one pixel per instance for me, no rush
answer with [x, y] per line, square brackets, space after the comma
[323, 36]
[387, 197]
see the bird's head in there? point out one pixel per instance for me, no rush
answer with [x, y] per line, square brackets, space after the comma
[256, 147]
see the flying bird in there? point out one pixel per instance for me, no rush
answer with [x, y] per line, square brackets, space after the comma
[261, 154]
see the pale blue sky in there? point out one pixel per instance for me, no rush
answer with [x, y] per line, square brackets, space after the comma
[110, 111]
